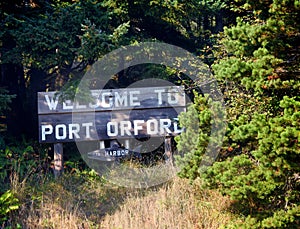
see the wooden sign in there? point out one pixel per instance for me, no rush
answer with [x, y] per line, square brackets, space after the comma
[111, 114]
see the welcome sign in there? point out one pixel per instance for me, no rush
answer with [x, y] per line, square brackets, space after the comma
[111, 114]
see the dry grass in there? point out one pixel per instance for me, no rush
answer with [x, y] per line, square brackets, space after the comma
[74, 202]
[176, 205]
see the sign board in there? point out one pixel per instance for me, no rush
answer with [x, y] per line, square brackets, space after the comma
[111, 114]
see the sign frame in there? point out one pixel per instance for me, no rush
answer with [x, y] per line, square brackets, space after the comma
[61, 121]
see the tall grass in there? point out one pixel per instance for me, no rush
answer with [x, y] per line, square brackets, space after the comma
[174, 205]
[78, 201]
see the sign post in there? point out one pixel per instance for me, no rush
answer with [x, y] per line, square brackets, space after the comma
[168, 149]
[58, 159]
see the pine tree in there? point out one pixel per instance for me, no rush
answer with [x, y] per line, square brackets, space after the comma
[259, 165]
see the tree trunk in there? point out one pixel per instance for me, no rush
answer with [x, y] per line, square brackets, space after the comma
[37, 84]
[12, 78]
[219, 22]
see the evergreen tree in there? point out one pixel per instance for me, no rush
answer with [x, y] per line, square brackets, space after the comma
[259, 165]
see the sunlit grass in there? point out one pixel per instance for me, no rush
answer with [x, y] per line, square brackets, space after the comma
[85, 201]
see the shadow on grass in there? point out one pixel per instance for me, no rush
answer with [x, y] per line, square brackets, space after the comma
[74, 200]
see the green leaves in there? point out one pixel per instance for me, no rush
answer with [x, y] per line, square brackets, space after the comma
[5, 100]
[258, 53]
[203, 131]
[8, 203]
[61, 34]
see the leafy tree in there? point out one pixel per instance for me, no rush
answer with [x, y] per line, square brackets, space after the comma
[183, 23]
[5, 100]
[47, 43]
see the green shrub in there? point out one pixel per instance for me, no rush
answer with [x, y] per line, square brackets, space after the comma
[204, 124]
[8, 203]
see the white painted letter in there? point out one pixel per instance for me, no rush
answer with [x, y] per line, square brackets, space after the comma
[46, 129]
[134, 100]
[154, 124]
[177, 129]
[51, 103]
[159, 95]
[165, 125]
[79, 106]
[121, 100]
[103, 101]
[66, 106]
[87, 128]
[109, 126]
[64, 131]
[125, 127]
[74, 130]
[96, 101]
[137, 127]
[172, 96]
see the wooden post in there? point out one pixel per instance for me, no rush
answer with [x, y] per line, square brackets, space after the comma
[58, 159]
[126, 144]
[102, 145]
[168, 149]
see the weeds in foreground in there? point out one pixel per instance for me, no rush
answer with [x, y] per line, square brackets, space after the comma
[82, 199]
[78, 201]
